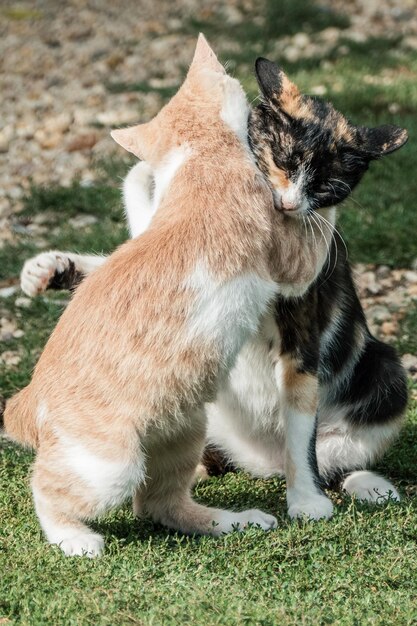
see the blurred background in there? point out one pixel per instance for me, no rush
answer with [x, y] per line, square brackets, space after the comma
[71, 71]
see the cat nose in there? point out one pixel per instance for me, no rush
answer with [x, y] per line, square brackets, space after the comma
[287, 205]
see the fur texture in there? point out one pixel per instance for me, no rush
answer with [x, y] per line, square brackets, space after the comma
[116, 402]
[314, 353]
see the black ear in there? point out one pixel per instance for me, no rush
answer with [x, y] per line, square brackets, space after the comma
[269, 77]
[383, 140]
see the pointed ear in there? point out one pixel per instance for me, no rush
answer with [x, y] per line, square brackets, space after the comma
[204, 57]
[135, 139]
[382, 140]
[275, 85]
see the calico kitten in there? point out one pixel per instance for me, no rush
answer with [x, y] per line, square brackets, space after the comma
[116, 402]
[313, 157]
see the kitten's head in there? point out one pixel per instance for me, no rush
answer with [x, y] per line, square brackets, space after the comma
[310, 152]
[193, 113]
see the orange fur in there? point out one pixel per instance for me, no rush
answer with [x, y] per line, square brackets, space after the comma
[120, 387]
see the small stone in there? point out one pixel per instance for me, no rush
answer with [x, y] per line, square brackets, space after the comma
[412, 290]
[5, 292]
[48, 141]
[383, 271]
[389, 328]
[81, 221]
[355, 35]
[7, 328]
[343, 50]
[411, 277]
[409, 361]
[10, 357]
[82, 142]
[301, 40]
[232, 15]
[330, 35]
[58, 123]
[292, 54]
[6, 135]
[410, 43]
[114, 118]
[368, 283]
[18, 333]
[22, 302]
[318, 90]
[4, 144]
[378, 313]
[394, 108]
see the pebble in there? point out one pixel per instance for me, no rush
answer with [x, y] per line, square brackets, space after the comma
[10, 357]
[7, 328]
[82, 142]
[368, 283]
[411, 277]
[22, 302]
[409, 361]
[6, 292]
[389, 328]
[378, 313]
[82, 221]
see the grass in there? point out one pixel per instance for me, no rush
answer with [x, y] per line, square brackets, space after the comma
[357, 569]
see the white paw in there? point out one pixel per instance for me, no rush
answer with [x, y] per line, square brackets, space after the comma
[82, 544]
[314, 507]
[38, 271]
[229, 521]
[370, 487]
[142, 173]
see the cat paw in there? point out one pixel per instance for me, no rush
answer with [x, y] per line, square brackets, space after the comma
[228, 521]
[142, 174]
[38, 271]
[370, 487]
[314, 508]
[82, 544]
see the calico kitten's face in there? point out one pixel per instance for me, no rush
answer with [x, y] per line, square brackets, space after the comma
[311, 153]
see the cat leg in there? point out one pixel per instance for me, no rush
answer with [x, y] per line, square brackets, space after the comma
[343, 447]
[72, 483]
[299, 392]
[167, 498]
[55, 269]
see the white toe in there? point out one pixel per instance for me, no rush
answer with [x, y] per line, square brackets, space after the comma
[83, 544]
[38, 271]
[314, 508]
[229, 521]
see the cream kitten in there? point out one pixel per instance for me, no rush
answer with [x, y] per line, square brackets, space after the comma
[116, 402]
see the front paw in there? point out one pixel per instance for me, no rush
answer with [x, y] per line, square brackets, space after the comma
[40, 270]
[314, 507]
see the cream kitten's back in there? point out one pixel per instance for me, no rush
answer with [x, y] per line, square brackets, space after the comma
[117, 398]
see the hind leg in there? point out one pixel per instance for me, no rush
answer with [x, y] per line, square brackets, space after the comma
[71, 484]
[343, 448]
[166, 496]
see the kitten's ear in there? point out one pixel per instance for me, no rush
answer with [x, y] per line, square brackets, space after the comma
[204, 57]
[135, 139]
[382, 140]
[275, 84]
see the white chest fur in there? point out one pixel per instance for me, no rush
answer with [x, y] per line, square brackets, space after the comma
[228, 312]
